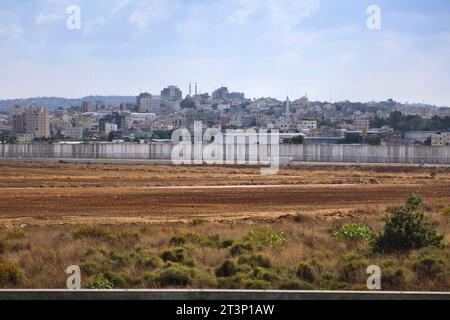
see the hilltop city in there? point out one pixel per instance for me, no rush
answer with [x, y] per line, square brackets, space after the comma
[154, 117]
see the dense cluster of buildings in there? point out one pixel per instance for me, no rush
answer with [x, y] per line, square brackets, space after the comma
[156, 116]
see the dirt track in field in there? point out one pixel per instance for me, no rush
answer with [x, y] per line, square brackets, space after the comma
[35, 193]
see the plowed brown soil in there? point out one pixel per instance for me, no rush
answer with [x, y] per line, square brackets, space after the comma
[38, 193]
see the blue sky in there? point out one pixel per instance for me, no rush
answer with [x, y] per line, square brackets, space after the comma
[262, 47]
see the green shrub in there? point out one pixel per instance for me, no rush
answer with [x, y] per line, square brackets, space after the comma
[305, 272]
[227, 269]
[89, 231]
[197, 222]
[116, 279]
[226, 243]
[99, 283]
[407, 229]
[429, 268]
[96, 232]
[255, 261]
[296, 285]
[241, 248]
[175, 275]
[257, 285]
[126, 236]
[16, 234]
[266, 274]
[150, 261]
[264, 236]
[353, 232]
[446, 212]
[179, 255]
[4, 246]
[353, 271]
[393, 279]
[90, 268]
[178, 241]
[414, 201]
[9, 274]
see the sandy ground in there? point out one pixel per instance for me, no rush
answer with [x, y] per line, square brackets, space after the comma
[54, 193]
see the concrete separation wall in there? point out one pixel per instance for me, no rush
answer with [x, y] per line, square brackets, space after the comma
[305, 153]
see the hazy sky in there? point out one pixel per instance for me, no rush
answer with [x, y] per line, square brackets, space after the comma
[262, 47]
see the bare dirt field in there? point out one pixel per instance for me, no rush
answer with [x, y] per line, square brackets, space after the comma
[63, 193]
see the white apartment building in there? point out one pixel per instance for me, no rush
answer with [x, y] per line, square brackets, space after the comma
[110, 127]
[75, 133]
[440, 139]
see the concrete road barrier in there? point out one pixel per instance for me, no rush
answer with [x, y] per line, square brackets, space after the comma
[209, 295]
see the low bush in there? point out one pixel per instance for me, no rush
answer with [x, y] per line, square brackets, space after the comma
[150, 261]
[178, 255]
[96, 232]
[16, 234]
[88, 231]
[178, 241]
[393, 279]
[255, 261]
[175, 275]
[90, 268]
[9, 274]
[264, 236]
[241, 248]
[296, 285]
[99, 283]
[257, 285]
[446, 212]
[305, 272]
[227, 269]
[353, 232]
[4, 246]
[429, 268]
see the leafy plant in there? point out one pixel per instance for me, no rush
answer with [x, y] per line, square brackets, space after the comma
[353, 232]
[227, 269]
[9, 273]
[406, 229]
[267, 237]
[99, 283]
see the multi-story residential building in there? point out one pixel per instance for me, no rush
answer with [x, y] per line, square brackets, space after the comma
[220, 94]
[75, 133]
[110, 127]
[307, 124]
[148, 103]
[361, 123]
[172, 94]
[88, 106]
[440, 139]
[31, 120]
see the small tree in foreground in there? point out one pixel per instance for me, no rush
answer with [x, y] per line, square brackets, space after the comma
[407, 228]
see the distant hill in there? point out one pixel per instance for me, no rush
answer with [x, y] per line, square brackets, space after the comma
[53, 103]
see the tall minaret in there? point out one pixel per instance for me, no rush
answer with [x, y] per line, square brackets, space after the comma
[288, 109]
[196, 89]
[190, 89]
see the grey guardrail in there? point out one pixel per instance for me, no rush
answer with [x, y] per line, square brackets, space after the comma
[222, 295]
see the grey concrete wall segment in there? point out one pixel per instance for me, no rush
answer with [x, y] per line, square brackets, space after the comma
[304, 153]
[212, 295]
